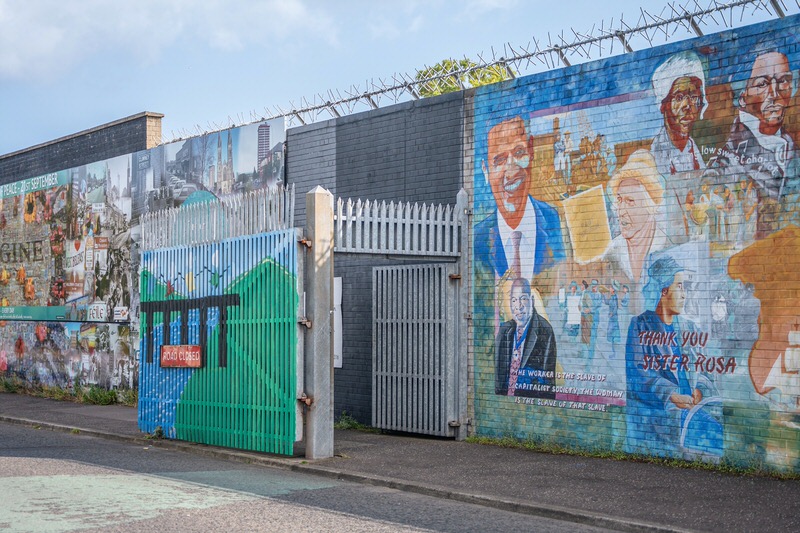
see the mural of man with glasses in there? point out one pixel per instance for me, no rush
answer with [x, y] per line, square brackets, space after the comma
[523, 234]
[525, 349]
[679, 88]
[758, 146]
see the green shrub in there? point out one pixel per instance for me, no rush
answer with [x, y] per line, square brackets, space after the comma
[535, 445]
[97, 396]
[57, 393]
[157, 434]
[346, 421]
[92, 395]
[129, 397]
[9, 384]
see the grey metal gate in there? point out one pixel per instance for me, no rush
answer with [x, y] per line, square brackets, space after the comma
[414, 357]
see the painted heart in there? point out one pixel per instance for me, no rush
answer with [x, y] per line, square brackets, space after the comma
[77, 244]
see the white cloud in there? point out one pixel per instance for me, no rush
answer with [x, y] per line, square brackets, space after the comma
[386, 22]
[417, 23]
[384, 29]
[479, 8]
[43, 39]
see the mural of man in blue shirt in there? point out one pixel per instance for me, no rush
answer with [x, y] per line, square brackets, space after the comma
[523, 234]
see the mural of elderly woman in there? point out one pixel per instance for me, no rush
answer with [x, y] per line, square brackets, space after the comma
[637, 193]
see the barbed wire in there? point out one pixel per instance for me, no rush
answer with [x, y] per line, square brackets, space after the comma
[677, 20]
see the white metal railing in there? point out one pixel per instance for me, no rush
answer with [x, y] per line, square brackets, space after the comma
[235, 215]
[399, 228]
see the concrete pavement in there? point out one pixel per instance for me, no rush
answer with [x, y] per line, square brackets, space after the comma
[621, 495]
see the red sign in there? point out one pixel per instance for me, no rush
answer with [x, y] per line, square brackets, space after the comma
[181, 356]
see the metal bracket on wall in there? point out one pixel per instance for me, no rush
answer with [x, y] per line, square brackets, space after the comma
[305, 241]
[306, 322]
[305, 400]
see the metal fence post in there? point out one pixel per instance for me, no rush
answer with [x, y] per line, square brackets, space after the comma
[461, 313]
[319, 310]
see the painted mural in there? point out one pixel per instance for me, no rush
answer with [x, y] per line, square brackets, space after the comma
[216, 164]
[64, 253]
[636, 223]
[65, 354]
[219, 343]
[69, 249]
[65, 277]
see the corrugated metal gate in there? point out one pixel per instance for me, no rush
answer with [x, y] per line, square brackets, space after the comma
[414, 355]
[219, 324]
[236, 301]
[419, 370]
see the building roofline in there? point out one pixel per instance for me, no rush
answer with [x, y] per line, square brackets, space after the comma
[143, 114]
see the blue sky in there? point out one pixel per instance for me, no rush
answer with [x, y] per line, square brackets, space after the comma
[68, 66]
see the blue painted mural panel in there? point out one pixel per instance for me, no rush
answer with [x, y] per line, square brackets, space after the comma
[635, 252]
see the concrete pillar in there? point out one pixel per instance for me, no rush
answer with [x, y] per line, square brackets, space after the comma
[319, 310]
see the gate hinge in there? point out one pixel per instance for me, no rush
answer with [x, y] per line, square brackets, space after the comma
[454, 424]
[306, 241]
[455, 276]
[468, 316]
[306, 322]
[304, 399]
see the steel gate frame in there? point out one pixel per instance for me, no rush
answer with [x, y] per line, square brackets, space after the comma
[415, 355]
[430, 233]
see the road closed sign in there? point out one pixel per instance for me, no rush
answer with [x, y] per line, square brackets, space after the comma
[181, 356]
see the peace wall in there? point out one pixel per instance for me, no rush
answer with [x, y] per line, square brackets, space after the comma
[635, 252]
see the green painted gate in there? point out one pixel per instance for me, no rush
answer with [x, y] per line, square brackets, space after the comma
[218, 353]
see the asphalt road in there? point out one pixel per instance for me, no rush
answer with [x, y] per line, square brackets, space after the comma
[57, 482]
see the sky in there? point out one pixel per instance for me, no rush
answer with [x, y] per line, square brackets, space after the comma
[207, 64]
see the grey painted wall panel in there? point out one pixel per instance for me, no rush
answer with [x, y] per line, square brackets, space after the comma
[310, 161]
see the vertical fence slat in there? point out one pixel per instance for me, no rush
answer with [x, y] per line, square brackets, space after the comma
[232, 216]
[373, 225]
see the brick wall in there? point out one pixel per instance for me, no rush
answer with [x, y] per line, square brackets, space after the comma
[682, 224]
[137, 132]
[310, 161]
[410, 152]
[639, 181]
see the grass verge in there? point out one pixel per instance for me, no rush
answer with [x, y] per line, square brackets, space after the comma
[346, 421]
[93, 394]
[557, 449]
